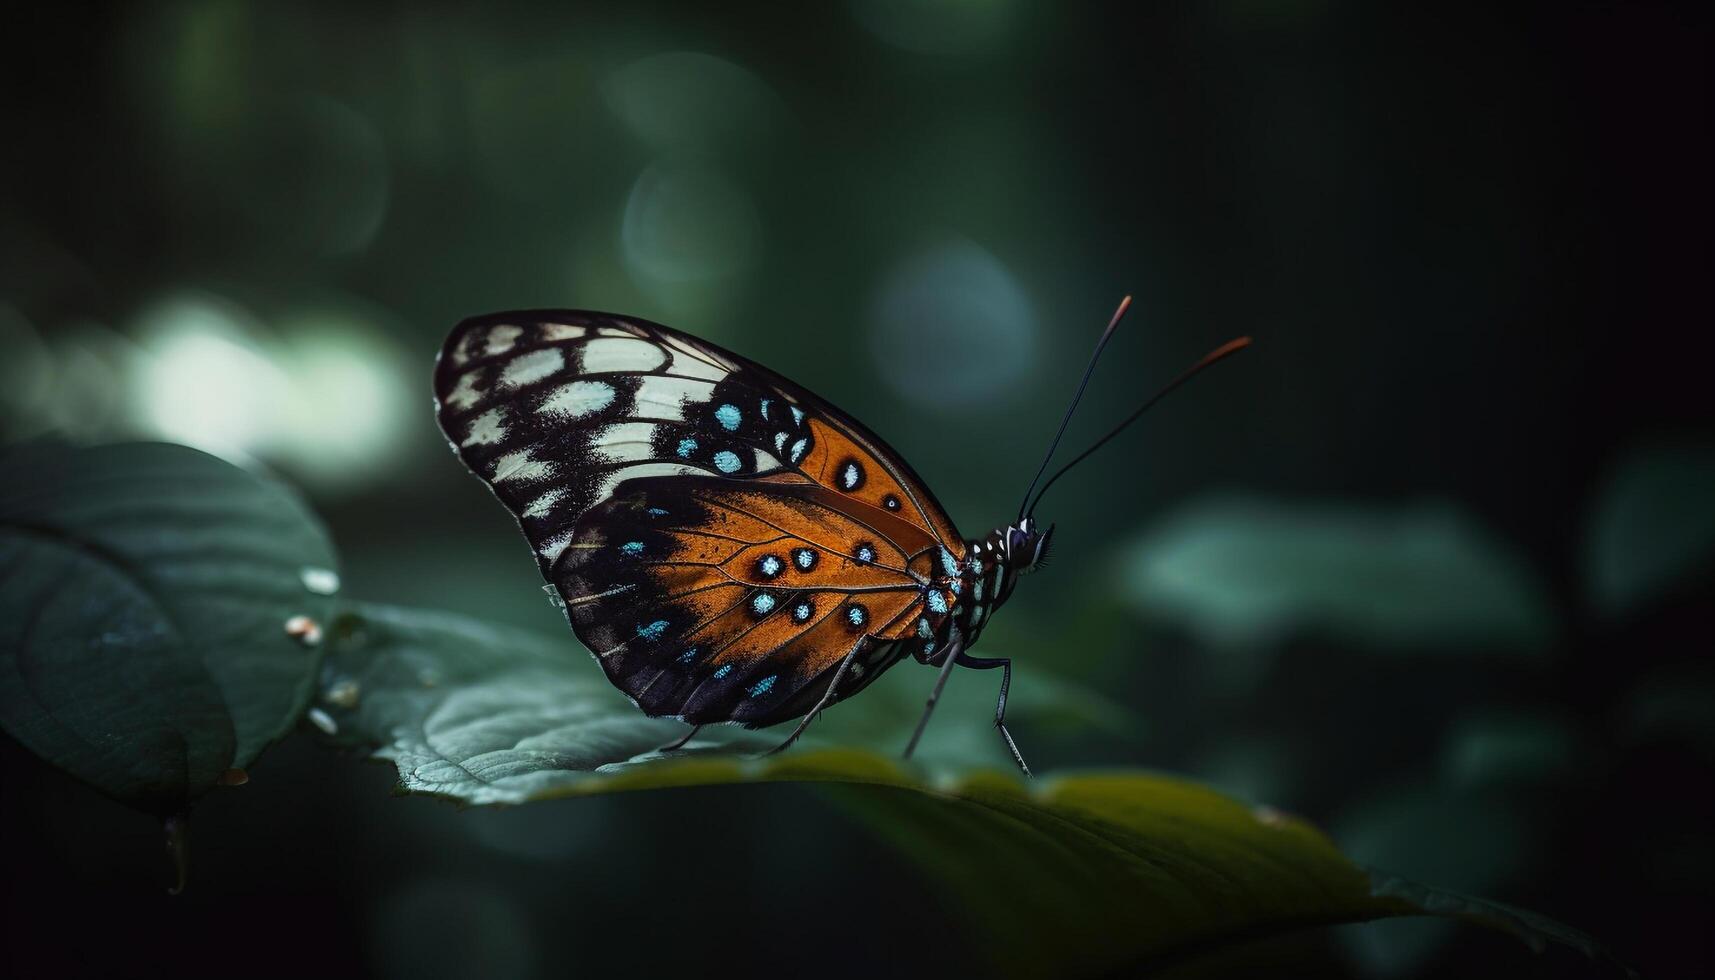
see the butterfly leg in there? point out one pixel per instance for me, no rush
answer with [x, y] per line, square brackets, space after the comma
[827, 697]
[1005, 665]
[955, 650]
[680, 743]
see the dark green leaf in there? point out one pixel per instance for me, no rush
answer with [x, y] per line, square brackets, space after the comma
[143, 640]
[1242, 572]
[1652, 525]
[1067, 875]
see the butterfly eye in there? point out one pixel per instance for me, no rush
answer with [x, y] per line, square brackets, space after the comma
[1017, 543]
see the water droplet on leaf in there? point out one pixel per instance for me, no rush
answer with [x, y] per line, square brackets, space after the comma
[321, 581]
[305, 630]
[344, 694]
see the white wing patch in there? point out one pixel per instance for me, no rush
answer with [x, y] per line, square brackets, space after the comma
[627, 441]
[619, 476]
[561, 331]
[527, 369]
[501, 339]
[665, 398]
[487, 428]
[520, 466]
[578, 399]
[552, 547]
[544, 505]
[622, 354]
[465, 394]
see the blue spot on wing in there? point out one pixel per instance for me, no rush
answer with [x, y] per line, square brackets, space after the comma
[727, 462]
[631, 549]
[687, 447]
[725, 670]
[653, 631]
[763, 686]
[937, 601]
[728, 416]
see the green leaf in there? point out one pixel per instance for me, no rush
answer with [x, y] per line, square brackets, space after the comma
[143, 640]
[1652, 525]
[1068, 875]
[1246, 572]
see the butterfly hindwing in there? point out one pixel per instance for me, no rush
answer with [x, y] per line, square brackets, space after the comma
[711, 526]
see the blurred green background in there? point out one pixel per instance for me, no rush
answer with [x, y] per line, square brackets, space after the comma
[1430, 565]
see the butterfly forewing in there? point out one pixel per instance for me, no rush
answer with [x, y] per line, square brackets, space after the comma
[722, 538]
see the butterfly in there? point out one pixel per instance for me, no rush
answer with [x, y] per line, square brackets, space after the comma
[729, 545]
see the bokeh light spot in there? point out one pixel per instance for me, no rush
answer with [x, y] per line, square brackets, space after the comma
[950, 325]
[687, 224]
[940, 27]
[690, 100]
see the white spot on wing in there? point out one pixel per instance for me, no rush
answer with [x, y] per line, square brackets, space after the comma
[765, 462]
[625, 441]
[578, 399]
[664, 398]
[519, 466]
[501, 339]
[622, 354]
[464, 394]
[544, 505]
[552, 547]
[561, 331]
[619, 476]
[487, 428]
[530, 368]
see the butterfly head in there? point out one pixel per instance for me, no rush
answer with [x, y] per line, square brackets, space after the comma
[1024, 547]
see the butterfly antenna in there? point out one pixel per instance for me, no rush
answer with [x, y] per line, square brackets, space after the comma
[1119, 314]
[1220, 353]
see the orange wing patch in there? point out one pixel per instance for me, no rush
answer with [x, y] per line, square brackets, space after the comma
[838, 462]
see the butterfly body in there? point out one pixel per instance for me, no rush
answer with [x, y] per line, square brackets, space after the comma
[730, 546]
